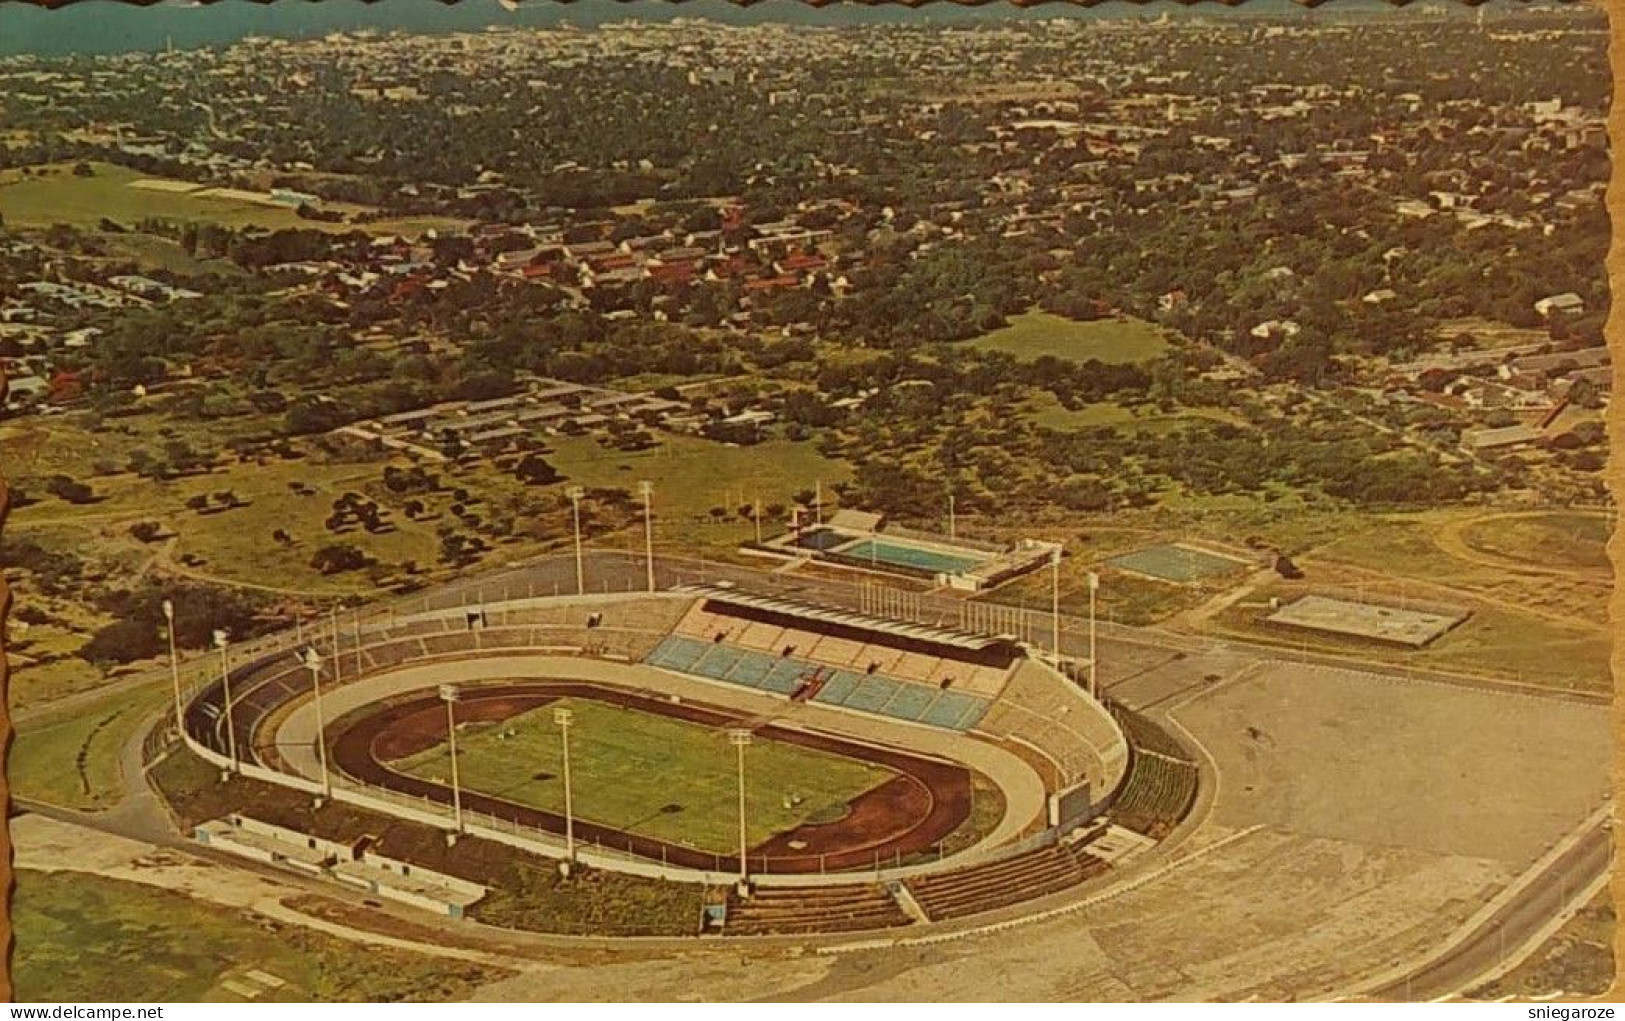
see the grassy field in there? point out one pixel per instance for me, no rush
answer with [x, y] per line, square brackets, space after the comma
[1034, 334]
[1495, 641]
[71, 758]
[651, 775]
[93, 939]
[692, 475]
[62, 197]
[1558, 539]
[1488, 334]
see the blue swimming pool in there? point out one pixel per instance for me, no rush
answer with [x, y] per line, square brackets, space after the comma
[910, 556]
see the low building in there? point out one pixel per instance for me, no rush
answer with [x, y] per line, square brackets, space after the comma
[1511, 437]
[1567, 303]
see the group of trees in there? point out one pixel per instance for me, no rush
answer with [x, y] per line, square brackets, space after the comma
[138, 629]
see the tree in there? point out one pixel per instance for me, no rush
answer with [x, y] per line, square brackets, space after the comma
[123, 641]
[534, 470]
[65, 488]
[339, 557]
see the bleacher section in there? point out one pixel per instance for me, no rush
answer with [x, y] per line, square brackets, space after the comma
[999, 884]
[1046, 717]
[1157, 794]
[872, 693]
[792, 911]
[909, 672]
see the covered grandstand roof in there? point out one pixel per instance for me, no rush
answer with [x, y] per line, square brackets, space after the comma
[847, 618]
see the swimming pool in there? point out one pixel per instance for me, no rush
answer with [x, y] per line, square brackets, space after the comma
[910, 556]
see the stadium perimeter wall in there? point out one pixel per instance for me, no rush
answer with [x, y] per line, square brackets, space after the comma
[1113, 760]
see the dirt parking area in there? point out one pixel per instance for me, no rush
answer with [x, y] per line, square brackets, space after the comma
[1399, 762]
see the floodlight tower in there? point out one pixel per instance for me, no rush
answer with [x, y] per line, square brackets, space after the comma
[313, 663]
[1094, 677]
[174, 661]
[740, 738]
[449, 695]
[647, 489]
[575, 493]
[563, 717]
[221, 641]
[1055, 603]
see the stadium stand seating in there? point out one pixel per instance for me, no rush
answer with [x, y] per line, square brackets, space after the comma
[1157, 794]
[907, 673]
[791, 911]
[980, 888]
[780, 674]
[1048, 718]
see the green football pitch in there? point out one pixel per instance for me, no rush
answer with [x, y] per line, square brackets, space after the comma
[651, 775]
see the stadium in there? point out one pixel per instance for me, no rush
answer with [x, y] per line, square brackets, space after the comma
[819, 765]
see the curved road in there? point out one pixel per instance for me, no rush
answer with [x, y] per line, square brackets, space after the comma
[1517, 922]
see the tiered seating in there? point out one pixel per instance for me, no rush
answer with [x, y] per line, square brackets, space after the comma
[999, 884]
[872, 693]
[1157, 794]
[1047, 716]
[781, 911]
[842, 652]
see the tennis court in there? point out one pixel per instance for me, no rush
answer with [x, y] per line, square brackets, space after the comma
[1170, 562]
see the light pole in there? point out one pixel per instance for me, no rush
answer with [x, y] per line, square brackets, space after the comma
[575, 494]
[448, 693]
[1094, 678]
[739, 738]
[818, 501]
[952, 524]
[338, 661]
[174, 662]
[647, 489]
[313, 663]
[221, 640]
[1055, 604]
[756, 513]
[562, 717]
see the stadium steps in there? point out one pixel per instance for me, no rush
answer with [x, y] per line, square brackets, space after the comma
[982, 888]
[779, 911]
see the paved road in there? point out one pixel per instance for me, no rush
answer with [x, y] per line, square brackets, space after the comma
[1518, 921]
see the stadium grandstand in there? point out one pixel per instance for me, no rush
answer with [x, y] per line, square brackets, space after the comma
[912, 672]
[980, 697]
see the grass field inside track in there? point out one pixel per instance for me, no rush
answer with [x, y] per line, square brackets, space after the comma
[652, 775]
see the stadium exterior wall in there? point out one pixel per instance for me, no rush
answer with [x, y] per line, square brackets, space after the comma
[1113, 758]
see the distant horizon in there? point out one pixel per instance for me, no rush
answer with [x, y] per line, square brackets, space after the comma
[103, 27]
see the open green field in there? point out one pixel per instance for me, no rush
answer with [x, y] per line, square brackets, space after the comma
[62, 197]
[93, 939]
[71, 758]
[1559, 539]
[652, 775]
[1034, 334]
